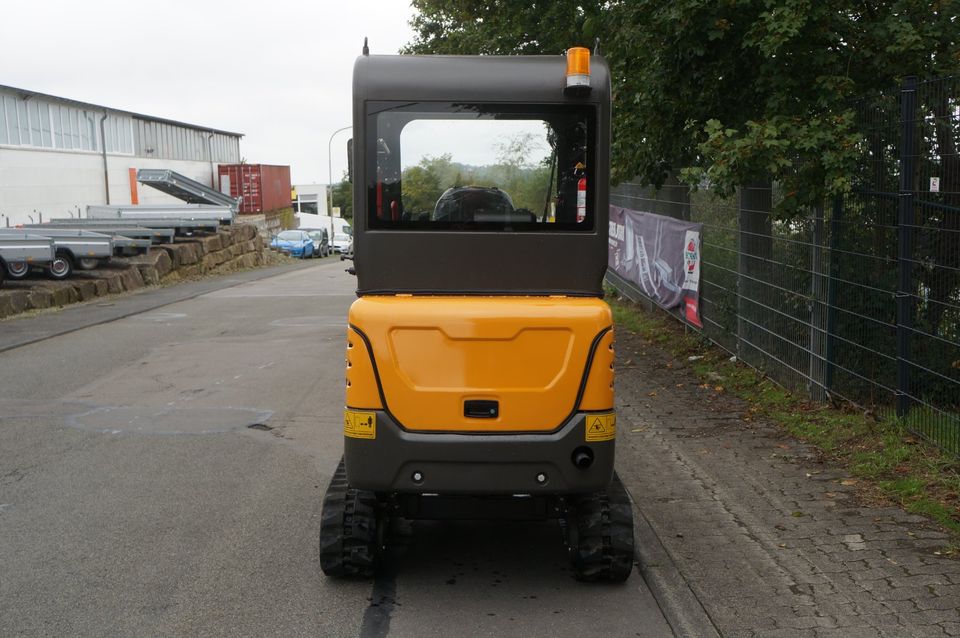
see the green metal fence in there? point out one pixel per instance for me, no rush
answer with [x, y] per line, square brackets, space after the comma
[858, 300]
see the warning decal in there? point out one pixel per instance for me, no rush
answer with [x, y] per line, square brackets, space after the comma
[360, 425]
[601, 427]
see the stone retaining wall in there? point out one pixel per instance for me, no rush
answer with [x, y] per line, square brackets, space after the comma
[232, 248]
[269, 224]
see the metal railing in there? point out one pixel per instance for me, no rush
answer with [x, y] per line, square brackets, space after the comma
[857, 300]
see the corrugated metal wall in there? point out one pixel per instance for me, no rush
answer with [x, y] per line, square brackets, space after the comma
[34, 122]
[167, 141]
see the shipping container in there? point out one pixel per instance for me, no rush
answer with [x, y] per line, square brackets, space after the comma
[262, 188]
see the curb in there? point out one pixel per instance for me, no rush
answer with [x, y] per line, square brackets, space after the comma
[680, 606]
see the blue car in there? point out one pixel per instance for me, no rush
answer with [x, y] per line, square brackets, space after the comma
[295, 243]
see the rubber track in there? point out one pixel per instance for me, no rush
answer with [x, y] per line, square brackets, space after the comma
[348, 529]
[604, 535]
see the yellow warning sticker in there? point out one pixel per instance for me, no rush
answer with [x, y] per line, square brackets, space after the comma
[360, 425]
[601, 427]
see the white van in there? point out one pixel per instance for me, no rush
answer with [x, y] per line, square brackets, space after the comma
[341, 226]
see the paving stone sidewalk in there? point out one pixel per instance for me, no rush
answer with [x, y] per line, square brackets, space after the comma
[770, 541]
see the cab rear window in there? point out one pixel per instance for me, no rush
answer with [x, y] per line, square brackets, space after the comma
[437, 166]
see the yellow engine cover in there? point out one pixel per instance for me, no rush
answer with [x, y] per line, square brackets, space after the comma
[529, 354]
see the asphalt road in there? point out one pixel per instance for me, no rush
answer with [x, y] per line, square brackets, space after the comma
[161, 474]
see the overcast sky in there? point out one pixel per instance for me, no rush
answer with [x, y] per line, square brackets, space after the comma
[278, 71]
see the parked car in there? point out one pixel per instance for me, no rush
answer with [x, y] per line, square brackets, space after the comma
[296, 243]
[321, 242]
[341, 242]
[348, 253]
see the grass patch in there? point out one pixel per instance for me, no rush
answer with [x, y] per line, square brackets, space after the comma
[883, 455]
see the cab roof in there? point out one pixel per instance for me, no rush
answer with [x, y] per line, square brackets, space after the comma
[481, 78]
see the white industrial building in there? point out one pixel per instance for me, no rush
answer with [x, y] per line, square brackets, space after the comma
[310, 209]
[59, 155]
[310, 199]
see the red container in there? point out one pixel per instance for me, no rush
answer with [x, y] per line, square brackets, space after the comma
[262, 187]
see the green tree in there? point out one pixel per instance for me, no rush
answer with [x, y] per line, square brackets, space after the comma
[343, 197]
[422, 186]
[730, 90]
[424, 183]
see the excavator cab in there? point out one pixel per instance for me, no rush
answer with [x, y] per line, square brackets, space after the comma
[479, 354]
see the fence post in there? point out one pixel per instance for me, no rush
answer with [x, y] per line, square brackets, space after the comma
[835, 230]
[818, 311]
[905, 223]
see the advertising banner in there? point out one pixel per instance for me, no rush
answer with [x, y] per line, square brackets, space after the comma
[660, 255]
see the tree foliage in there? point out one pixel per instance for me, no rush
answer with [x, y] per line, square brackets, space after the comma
[343, 197]
[727, 91]
[527, 186]
[423, 184]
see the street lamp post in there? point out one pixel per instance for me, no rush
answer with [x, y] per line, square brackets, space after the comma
[330, 179]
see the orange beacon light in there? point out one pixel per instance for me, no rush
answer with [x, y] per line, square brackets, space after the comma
[578, 71]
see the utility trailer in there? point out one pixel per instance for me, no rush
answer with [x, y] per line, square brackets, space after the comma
[181, 226]
[479, 353]
[114, 228]
[22, 247]
[73, 247]
[184, 188]
[185, 212]
[129, 246]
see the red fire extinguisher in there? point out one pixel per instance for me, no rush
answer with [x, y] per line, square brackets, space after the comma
[581, 199]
